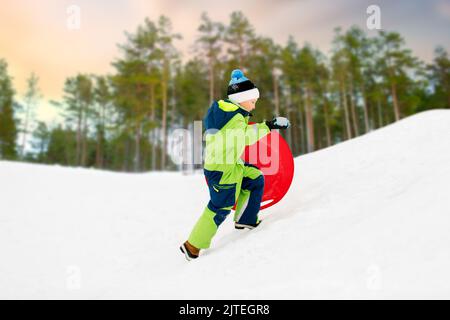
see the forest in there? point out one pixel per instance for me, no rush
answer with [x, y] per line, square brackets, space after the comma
[122, 121]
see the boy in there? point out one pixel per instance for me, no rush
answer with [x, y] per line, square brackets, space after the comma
[229, 178]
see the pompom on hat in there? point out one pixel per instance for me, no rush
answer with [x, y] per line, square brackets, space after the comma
[240, 88]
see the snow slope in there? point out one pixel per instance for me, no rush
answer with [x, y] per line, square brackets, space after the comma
[368, 218]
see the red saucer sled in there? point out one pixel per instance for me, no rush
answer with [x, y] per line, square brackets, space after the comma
[274, 158]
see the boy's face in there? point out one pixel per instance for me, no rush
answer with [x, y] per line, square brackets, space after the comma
[249, 105]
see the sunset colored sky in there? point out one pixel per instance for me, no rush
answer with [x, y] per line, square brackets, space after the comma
[34, 36]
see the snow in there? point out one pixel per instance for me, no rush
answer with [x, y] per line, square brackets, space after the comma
[367, 218]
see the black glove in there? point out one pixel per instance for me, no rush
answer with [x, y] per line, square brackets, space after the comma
[278, 123]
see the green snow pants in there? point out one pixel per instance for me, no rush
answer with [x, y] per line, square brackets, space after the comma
[242, 185]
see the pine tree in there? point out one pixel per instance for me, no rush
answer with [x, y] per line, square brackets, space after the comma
[103, 97]
[8, 126]
[356, 46]
[291, 82]
[396, 64]
[209, 43]
[308, 68]
[32, 97]
[339, 63]
[440, 78]
[62, 146]
[41, 137]
[77, 106]
[167, 54]
[239, 36]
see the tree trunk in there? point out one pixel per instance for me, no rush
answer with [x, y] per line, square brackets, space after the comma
[353, 110]
[164, 114]
[297, 132]
[380, 113]
[290, 139]
[78, 151]
[25, 130]
[448, 106]
[100, 134]
[137, 151]
[346, 113]
[302, 127]
[98, 152]
[327, 123]
[366, 110]
[241, 55]
[276, 93]
[309, 121]
[125, 155]
[84, 142]
[152, 134]
[448, 97]
[395, 102]
[155, 149]
[211, 81]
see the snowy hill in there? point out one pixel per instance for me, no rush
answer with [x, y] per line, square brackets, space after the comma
[368, 218]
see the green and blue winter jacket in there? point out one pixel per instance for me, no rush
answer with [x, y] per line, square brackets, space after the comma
[227, 135]
[230, 180]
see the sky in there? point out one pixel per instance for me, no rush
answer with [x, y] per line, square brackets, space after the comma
[36, 36]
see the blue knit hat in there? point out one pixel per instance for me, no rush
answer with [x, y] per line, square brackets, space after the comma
[240, 88]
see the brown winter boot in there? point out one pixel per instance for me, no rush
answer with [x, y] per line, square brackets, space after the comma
[190, 252]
